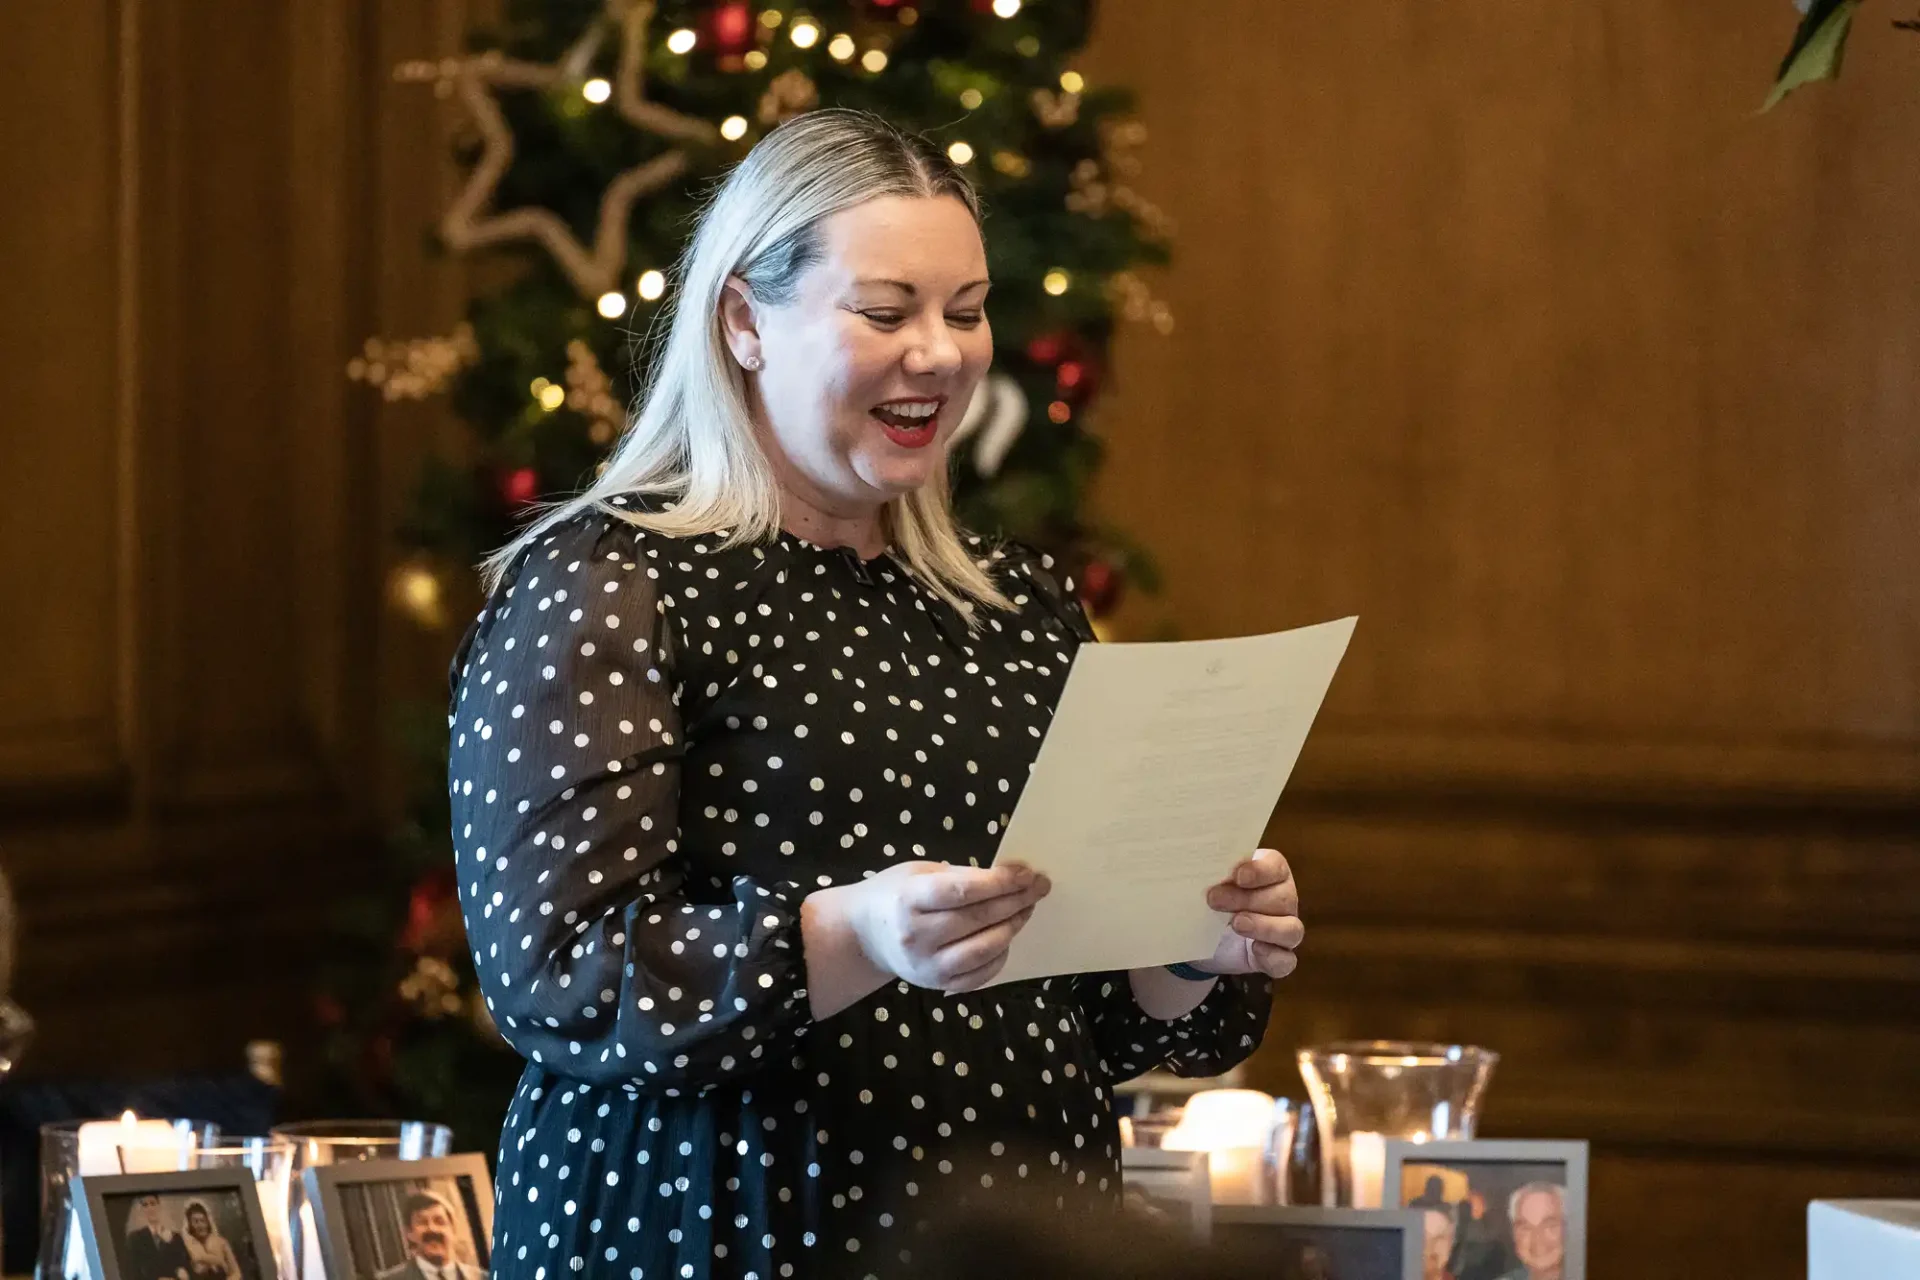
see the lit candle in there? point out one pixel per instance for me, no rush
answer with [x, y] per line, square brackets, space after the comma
[112, 1147]
[1231, 1126]
[148, 1146]
[1238, 1175]
[1367, 1168]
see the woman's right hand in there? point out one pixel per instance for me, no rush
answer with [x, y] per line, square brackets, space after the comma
[929, 923]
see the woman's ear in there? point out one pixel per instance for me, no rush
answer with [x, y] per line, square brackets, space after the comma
[739, 323]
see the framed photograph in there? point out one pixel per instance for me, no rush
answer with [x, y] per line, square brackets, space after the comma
[381, 1219]
[203, 1224]
[1495, 1210]
[1173, 1188]
[1322, 1244]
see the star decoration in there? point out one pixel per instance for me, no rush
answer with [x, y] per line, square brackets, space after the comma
[469, 224]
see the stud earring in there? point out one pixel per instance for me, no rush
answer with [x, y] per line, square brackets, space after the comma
[753, 363]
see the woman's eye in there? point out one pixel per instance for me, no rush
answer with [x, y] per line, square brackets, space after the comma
[964, 319]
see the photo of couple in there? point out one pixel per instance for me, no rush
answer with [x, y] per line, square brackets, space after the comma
[1503, 1221]
[196, 1236]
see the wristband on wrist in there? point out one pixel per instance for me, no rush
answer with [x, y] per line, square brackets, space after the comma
[1190, 973]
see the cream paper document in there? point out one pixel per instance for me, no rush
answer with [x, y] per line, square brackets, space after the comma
[1158, 774]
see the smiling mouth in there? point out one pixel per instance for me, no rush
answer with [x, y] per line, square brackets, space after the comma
[911, 424]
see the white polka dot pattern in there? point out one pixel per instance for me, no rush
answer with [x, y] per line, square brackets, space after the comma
[660, 746]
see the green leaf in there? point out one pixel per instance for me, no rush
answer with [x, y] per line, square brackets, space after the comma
[1818, 47]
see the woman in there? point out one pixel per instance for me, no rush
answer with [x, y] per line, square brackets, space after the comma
[209, 1255]
[733, 743]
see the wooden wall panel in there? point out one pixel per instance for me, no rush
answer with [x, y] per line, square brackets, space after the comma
[1519, 335]
[1516, 332]
[61, 711]
[193, 522]
[227, 469]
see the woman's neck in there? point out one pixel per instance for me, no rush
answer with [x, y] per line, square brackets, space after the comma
[863, 529]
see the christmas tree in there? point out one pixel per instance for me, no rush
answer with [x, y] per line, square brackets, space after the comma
[595, 128]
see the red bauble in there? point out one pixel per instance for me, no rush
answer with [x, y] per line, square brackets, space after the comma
[1101, 586]
[1078, 379]
[730, 27]
[1048, 348]
[431, 908]
[520, 486]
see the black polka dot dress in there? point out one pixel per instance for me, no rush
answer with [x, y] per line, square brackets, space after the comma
[659, 747]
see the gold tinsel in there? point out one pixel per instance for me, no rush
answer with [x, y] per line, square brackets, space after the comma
[1136, 302]
[590, 393]
[414, 368]
[1055, 110]
[433, 989]
[790, 94]
[1101, 185]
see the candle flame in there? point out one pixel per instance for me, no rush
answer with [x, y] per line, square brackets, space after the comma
[129, 1117]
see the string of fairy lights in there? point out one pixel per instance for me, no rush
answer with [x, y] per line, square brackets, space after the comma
[598, 264]
[417, 368]
[805, 33]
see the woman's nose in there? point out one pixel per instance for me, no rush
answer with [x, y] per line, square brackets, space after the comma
[934, 351]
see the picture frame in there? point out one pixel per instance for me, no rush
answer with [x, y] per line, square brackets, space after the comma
[1174, 1185]
[1353, 1244]
[143, 1226]
[1479, 1186]
[373, 1218]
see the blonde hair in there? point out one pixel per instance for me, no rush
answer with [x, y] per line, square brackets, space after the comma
[693, 443]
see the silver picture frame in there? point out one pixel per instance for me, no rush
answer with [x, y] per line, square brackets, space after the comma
[332, 1221]
[1231, 1221]
[104, 1240]
[1179, 1182]
[1453, 1153]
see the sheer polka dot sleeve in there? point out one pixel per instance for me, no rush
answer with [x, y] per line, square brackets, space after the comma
[1217, 1035]
[597, 957]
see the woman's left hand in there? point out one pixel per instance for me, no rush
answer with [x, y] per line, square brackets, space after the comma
[1266, 925]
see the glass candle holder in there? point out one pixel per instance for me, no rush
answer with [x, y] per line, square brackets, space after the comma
[1281, 1152]
[1366, 1091]
[268, 1159]
[80, 1148]
[324, 1142]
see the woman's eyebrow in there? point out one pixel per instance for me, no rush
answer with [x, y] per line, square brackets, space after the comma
[908, 288]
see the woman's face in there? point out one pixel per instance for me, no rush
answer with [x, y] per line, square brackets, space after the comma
[869, 369]
[199, 1225]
